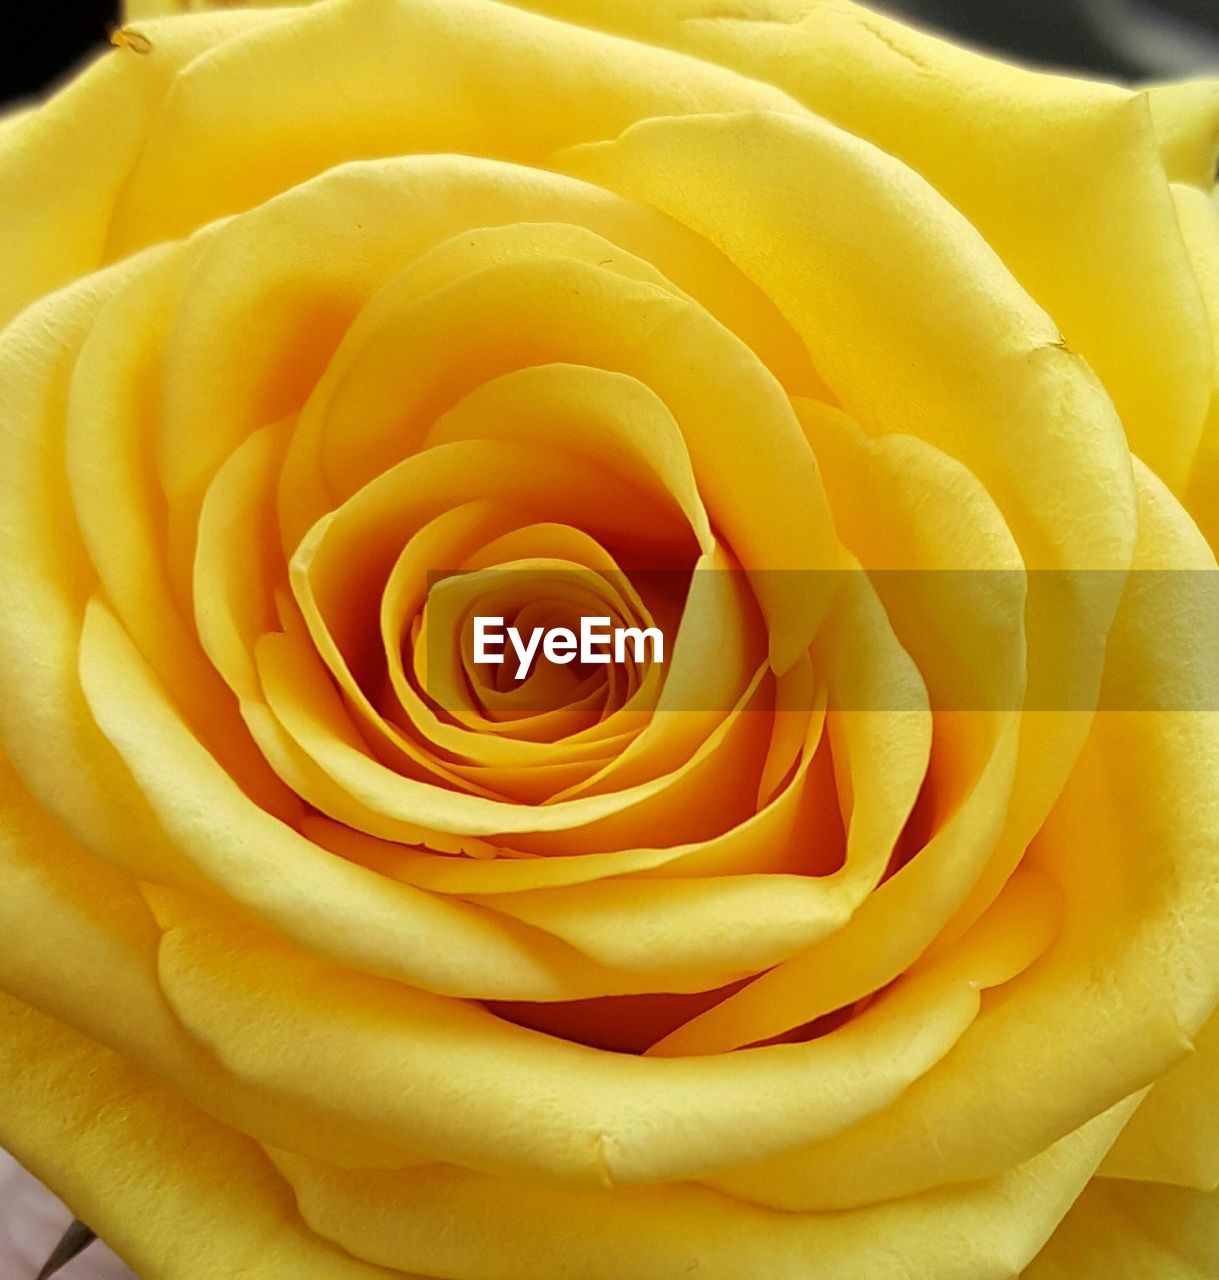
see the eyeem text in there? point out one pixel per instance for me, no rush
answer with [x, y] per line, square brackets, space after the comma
[596, 642]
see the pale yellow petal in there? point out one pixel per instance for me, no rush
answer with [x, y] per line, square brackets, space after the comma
[175, 1194]
[434, 76]
[1134, 1231]
[1174, 1135]
[45, 582]
[449, 1079]
[65, 168]
[1113, 273]
[1186, 119]
[80, 944]
[953, 1233]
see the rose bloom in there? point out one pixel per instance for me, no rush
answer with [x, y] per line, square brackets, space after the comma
[768, 964]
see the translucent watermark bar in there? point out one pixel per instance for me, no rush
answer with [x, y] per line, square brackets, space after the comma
[797, 640]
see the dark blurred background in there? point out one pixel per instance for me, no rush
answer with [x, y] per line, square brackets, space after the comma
[1127, 39]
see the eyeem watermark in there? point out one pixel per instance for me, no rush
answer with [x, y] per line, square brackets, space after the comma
[1045, 640]
[596, 642]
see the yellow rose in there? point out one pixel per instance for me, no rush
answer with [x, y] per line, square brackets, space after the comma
[774, 966]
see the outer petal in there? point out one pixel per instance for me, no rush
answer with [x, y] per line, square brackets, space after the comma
[1174, 1135]
[982, 1230]
[62, 169]
[402, 77]
[44, 583]
[446, 1078]
[1134, 1231]
[176, 1195]
[135, 151]
[1092, 238]
[81, 945]
[1186, 118]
